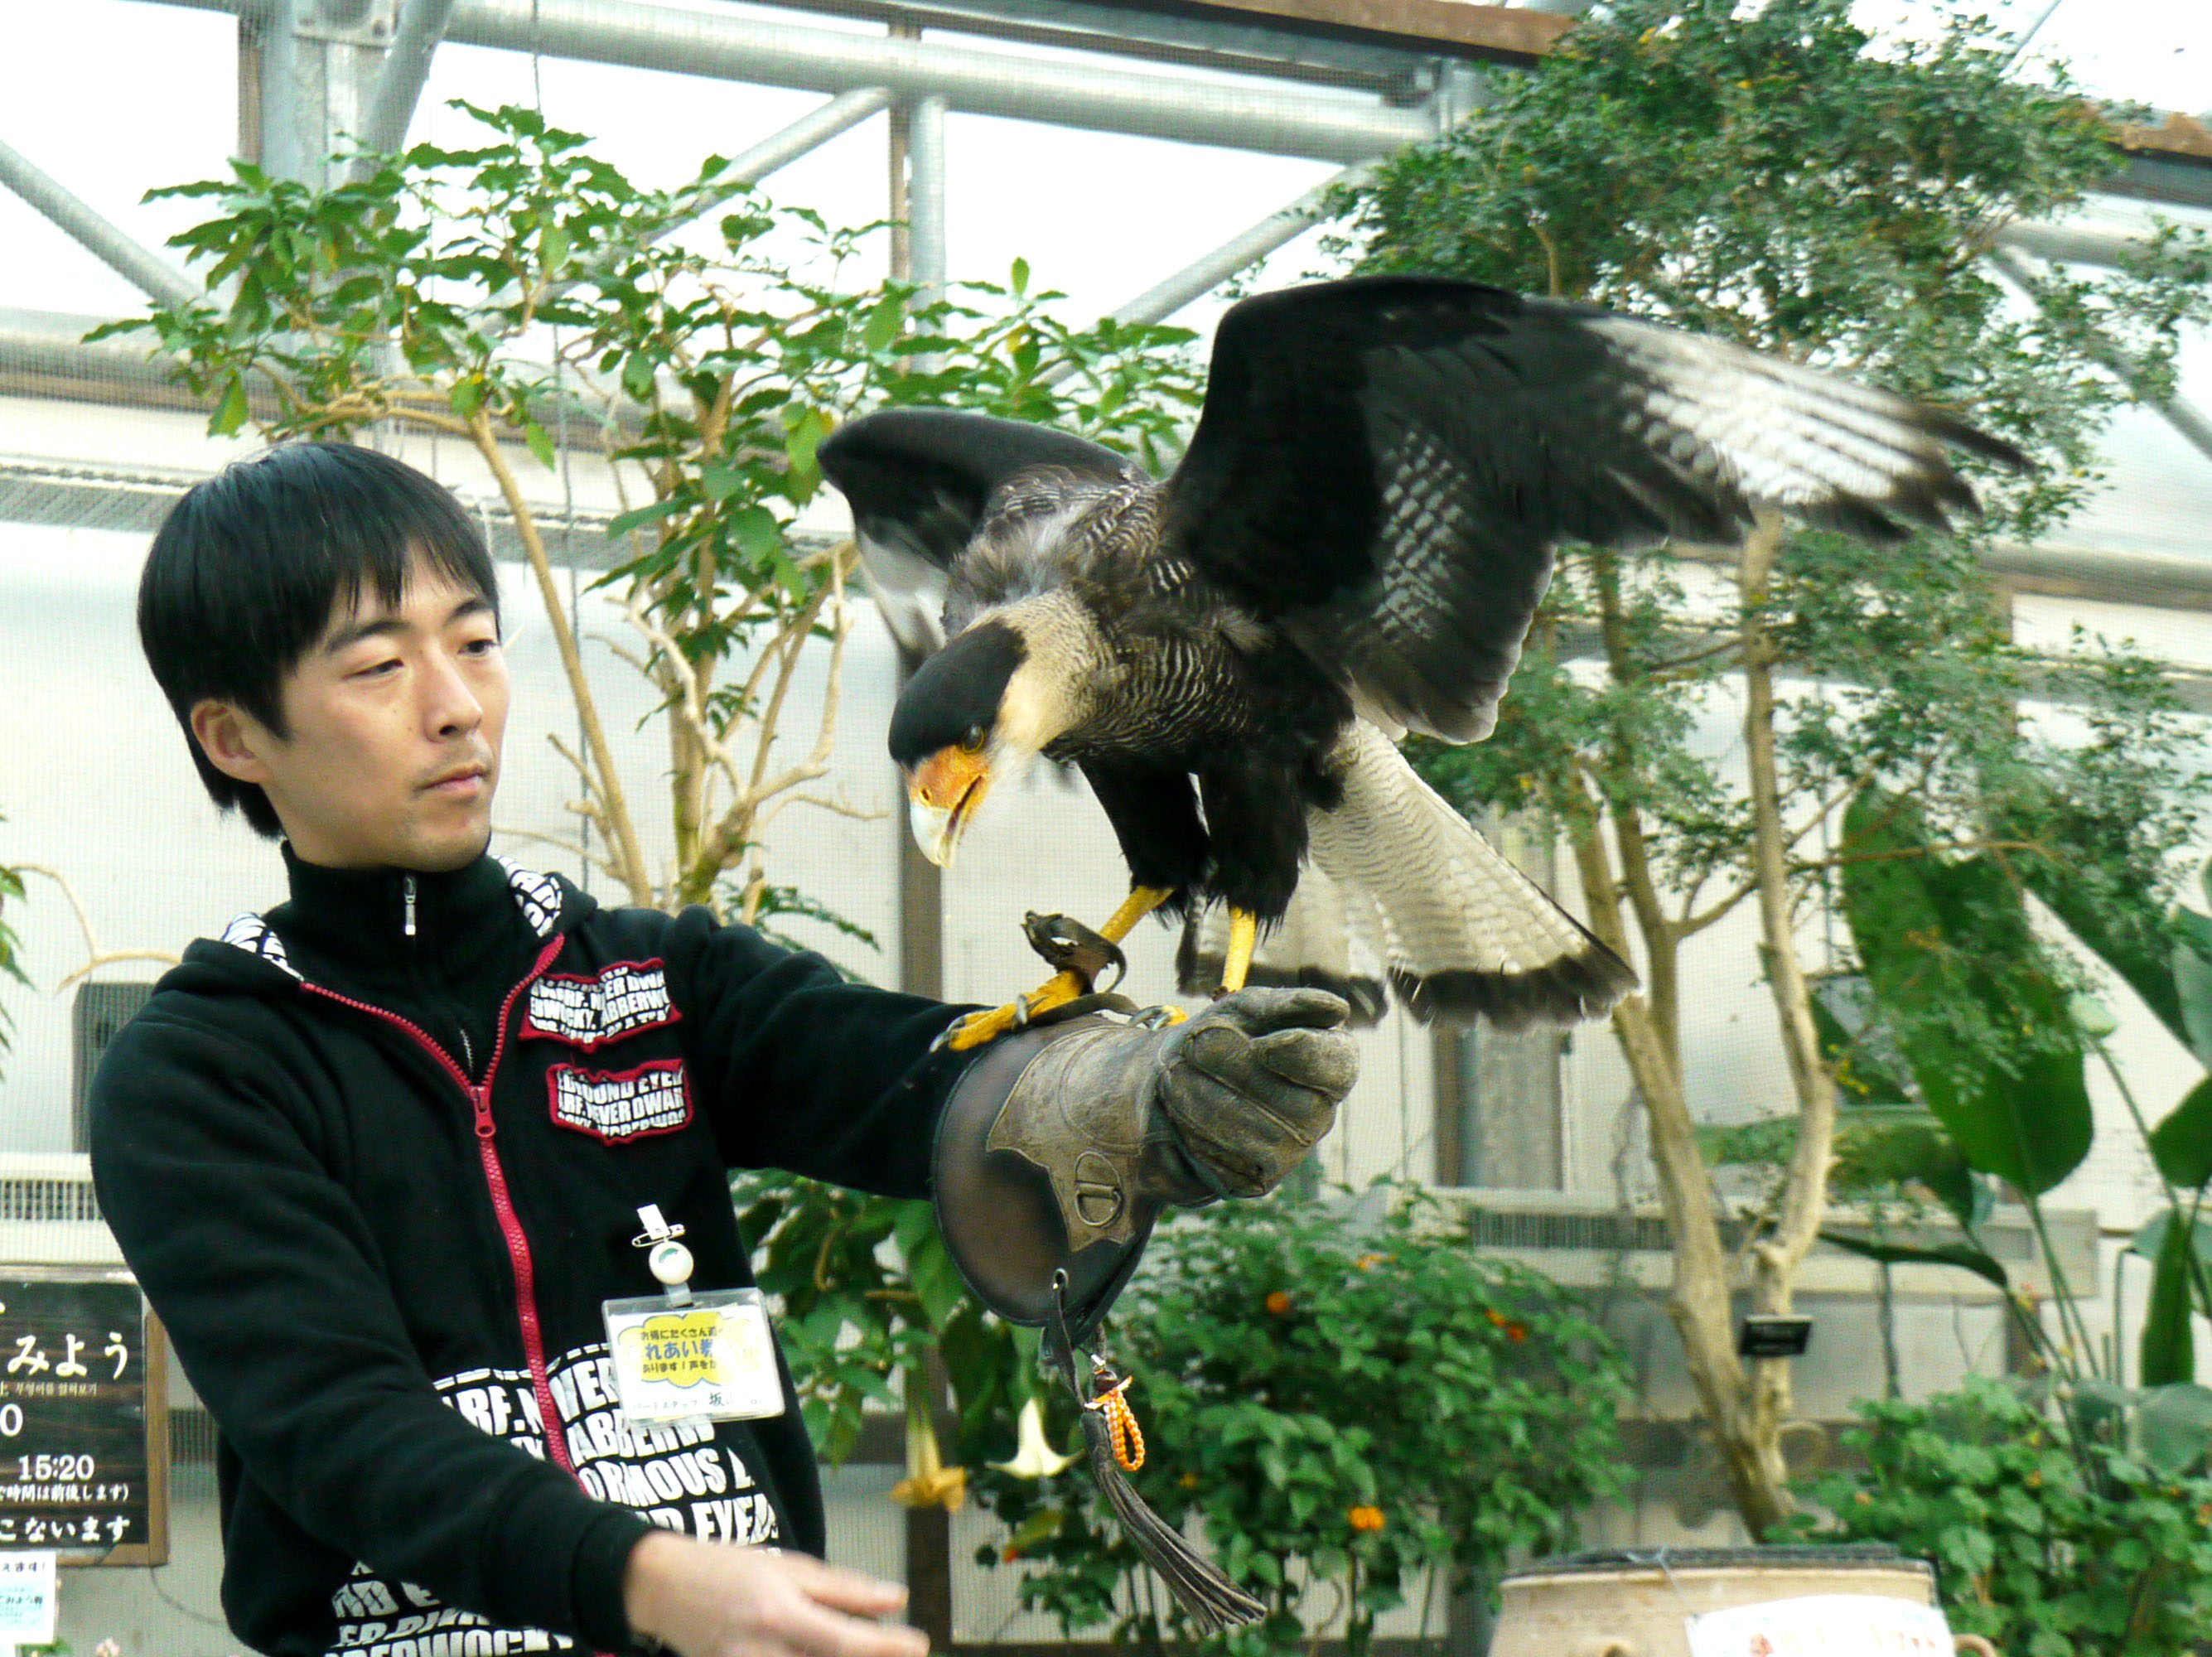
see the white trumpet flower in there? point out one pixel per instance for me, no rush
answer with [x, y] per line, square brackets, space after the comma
[1034, 1456]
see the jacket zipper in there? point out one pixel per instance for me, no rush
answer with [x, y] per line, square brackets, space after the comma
[510, 1224]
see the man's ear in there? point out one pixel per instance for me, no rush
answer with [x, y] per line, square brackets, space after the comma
[233, 739]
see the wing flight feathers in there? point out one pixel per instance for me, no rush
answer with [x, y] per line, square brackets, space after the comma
[1385, 465]
[920, 481]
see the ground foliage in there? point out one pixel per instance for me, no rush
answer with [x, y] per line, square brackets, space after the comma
[1344, 1394]
[2048, 1539]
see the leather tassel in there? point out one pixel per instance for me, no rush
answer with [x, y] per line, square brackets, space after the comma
[1208, 1599]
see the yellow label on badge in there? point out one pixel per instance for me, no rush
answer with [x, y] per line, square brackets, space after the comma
[678, 1349]
[712, 1356]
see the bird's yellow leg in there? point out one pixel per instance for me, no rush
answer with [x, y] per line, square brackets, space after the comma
[1243, 934]
[977, 1027]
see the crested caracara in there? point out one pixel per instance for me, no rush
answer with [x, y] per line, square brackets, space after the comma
[1352, 549]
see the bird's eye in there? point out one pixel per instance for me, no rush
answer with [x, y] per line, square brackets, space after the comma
[973, 742]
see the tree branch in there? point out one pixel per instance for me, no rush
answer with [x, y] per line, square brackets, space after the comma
[602, 781]
[95, 957]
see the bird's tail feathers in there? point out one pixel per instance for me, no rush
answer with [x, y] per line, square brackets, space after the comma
[1460, 932]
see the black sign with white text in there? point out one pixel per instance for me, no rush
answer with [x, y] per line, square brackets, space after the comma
[80, 1472]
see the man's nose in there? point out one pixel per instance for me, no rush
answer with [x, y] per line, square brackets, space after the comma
[449, 708]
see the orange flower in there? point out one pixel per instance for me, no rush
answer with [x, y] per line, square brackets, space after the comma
[1369, 1262]
[1364, 1519]
[1498, 1319]
[1517, 1333]
[1012, 1551]
[1279, 1302]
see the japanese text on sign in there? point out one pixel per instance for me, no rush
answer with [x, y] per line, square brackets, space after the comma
[74, 1462]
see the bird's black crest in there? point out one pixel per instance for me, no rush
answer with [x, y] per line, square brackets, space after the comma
[956, 692]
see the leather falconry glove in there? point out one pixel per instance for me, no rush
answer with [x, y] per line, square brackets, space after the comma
[1058, 1149]
[1223, 1106]
[1117, 1120]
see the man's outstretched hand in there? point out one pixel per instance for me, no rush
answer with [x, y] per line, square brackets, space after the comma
[711, 1600]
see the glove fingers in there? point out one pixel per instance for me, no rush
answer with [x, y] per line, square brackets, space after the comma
[1269, 1009]
[1322, 1060]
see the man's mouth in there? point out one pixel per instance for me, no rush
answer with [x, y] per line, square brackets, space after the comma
[466, 783]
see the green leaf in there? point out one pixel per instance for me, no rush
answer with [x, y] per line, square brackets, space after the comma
[2168, 1353]
[718, 480]
[758, 531]
[882, 326]
[540, 442]
[2174, 1426]
[229, 414]
[2182, 1143]
[2193, 979]
[1962, 1255]
[2088, 913]
[652, 513]
[1951, 960]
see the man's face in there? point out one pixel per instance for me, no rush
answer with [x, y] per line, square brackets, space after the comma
[393, 720]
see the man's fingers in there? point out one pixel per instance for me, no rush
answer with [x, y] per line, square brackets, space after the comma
[815, 1630]
[846, 1590]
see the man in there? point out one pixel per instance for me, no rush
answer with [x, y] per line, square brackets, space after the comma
[380, 1157]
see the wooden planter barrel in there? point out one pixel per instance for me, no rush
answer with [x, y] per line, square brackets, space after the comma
[1632, 1602]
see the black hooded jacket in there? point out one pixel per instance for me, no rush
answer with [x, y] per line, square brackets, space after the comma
[377, 1157]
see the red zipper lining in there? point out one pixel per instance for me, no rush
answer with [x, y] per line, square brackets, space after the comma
[510, 1225]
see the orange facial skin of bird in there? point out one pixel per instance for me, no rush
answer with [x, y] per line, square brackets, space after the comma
[942, 794]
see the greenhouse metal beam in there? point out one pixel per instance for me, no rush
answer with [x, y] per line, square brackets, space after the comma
[2184, 417]
[406, 66]
[1202, 275]
[144, 269]
[735, 47]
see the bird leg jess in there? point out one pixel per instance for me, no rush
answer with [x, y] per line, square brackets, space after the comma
[1062, 987]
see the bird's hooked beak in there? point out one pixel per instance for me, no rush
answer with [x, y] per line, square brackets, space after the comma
[942, 794]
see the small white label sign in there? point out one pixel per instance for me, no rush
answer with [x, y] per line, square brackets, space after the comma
[1823, 1625]
[711, 1355]
[26, 1598]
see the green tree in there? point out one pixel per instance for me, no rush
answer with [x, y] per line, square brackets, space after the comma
[1778, 178]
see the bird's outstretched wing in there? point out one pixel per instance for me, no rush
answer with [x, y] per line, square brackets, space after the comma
[1385, 464]
[919, 482]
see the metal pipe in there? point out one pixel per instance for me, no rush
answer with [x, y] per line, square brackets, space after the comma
[1203, 276]
[809, 132]
[423, 24]
[733, 46]
[2065, 245]
[2183, 417]
[282, 153]
[925, 204]
[144, 269]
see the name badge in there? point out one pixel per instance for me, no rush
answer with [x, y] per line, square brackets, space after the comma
[709, 1355]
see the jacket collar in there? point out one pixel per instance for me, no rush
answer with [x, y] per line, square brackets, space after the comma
[367, 926]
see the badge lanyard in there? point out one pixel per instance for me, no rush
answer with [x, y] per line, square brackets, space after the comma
[687, 1355]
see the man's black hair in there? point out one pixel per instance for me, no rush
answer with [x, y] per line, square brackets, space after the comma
[247, 569]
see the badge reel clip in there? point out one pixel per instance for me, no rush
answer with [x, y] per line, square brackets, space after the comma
[687, 1354]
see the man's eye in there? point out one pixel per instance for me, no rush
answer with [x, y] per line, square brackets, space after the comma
[480, 646]
[376, 669]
